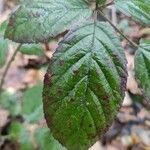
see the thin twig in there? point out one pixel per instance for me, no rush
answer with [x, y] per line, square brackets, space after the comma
[124, 36]
[8, 66]
[47, 48]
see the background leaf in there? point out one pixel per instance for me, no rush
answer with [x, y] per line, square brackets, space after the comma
[3, 44]
[19, 133]
[3, 51]
[139, 10]
[101, 2]
[84, 85]
[142, 66]
[43, 20]
[46, 141]
[32, 49]
[32, 104]
[10, 102]
[3, 27]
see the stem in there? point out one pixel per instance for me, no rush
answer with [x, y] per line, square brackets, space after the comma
[124, 36]
[94, 16]
[47, 48]
[8, 66]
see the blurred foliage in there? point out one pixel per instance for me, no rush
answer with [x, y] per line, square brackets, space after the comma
[32, 108]
[32, 49]
[46, 140]
[18, 133]
[3, 44]
[28, 105]
[11, 103]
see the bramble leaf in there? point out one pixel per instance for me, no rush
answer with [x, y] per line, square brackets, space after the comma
[40, 20]
[84, 85]
[139, 10]
[142, 66]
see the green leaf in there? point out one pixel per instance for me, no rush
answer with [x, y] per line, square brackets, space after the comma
[3, 51]
[10, 102]
[101, 2]
[32, 49]
[46, 141]
[32, 104]
[3, 27]
[40, 20]
[142, 66]
[19, 133]
[3, 44]
[84, 85]
[35, 116]
[139, 10]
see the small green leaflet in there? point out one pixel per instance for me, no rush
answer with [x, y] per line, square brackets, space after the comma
[3, 44]
[20, 134]
[10, 103]
[142, 66]
[139, 10]
[40, 20]
[32, 49]
[32, 104]
[3, 27]
[101, 2]
[84, 85]
[40, 139]
[46, 141]
[3, 51]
